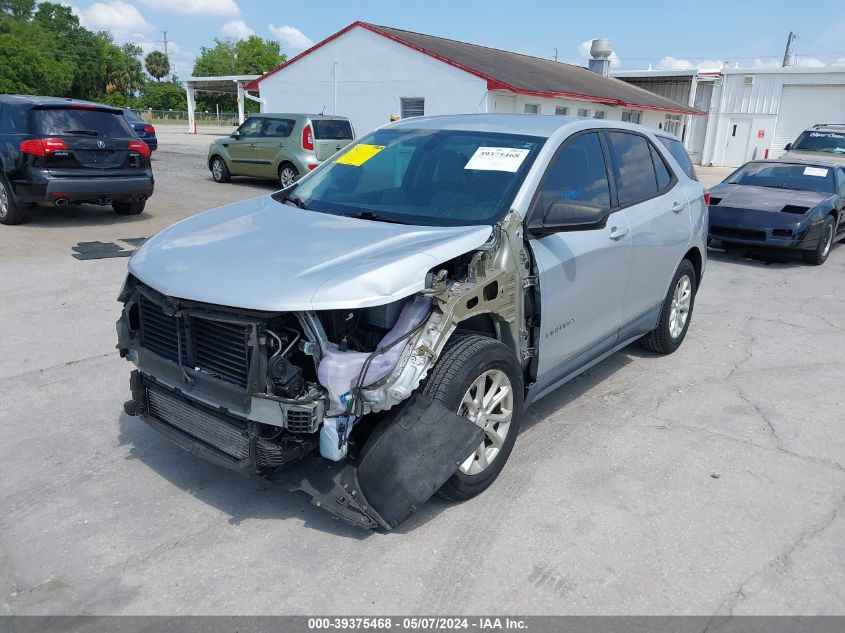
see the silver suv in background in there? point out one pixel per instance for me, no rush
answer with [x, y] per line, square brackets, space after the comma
[822, 142]
[278, 146]
[404, 303]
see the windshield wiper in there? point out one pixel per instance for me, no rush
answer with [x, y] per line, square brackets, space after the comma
[375, 217]
[82, 132]
[299, 202]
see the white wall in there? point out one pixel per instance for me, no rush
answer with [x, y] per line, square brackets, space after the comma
[759, 103]
[373, 72]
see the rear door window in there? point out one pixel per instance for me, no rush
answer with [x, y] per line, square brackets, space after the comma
[676, 148]
[61, 121]
[578, 173]
[634, 170]
[664, 176]
[279, 128]
[332, 130]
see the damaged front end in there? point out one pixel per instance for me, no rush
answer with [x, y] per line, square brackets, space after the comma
[254, 390]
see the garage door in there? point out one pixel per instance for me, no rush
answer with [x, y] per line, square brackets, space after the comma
[801, 107]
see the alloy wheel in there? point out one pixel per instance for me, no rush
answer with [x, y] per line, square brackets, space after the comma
[681, 302]
[217, 169]
[287, 176]
[828, 240]
[4, 201]
[489, 404]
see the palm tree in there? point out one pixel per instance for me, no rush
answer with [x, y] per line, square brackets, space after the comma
[157, 65]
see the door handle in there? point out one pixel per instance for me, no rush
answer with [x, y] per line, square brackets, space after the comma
[251, 145]
[618, 232]
[677, 207]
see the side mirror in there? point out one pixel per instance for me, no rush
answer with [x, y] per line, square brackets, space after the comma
[569, 215]
[235, 135]
[788, 147]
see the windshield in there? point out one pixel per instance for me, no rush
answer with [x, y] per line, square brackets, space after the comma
[430, 177]
[831, 142]
[785, 176]
[59, 121]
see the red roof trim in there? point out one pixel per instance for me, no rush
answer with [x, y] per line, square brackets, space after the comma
[492, 83]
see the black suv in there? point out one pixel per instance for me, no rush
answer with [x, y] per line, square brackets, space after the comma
[57, 151]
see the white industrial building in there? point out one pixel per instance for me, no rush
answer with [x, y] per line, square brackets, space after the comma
[369, 73]
[751, 113]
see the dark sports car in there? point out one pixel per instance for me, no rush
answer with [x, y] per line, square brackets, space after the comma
[792, 205]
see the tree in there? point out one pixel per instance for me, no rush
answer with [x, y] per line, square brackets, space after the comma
[123, 70]
[157, 64]
[163, 95]
[252, 56]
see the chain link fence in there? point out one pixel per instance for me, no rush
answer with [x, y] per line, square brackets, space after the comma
[223, 119]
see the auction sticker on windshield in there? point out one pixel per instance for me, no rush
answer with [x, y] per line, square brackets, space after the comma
[359, 154]
[815, 171]
[497, 159]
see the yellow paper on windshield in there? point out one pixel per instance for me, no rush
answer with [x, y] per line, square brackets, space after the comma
[359, 154]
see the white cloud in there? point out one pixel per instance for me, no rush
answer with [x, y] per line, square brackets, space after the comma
[236, 29]
[225, 8]
[584, 53]
[115, 16]
[672, 63]
[839, 62]
[808, 62]
[291, 38]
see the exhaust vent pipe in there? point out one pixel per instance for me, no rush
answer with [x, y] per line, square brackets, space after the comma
[140, 198]
[600, 51]
[62, 202]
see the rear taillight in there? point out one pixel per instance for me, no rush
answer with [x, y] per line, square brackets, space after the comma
[139, 146]
[149, 129]
[307, 138]
[42, 146]
[707, 198]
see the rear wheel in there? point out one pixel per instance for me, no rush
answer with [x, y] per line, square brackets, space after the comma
[287, 175]
[128, 208]
[480, 378]
[818, 256]
[10, 211]
[219, 171]
[675, 313]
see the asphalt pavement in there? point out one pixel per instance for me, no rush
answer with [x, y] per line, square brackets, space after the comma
[711, 481]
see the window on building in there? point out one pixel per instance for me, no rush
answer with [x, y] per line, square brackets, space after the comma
[561, 111]
[634, 170]
[532, 108]
[632, 116]
[599, 114]
[583, 112]
[412, 106]
[577, 173]
[672, 124]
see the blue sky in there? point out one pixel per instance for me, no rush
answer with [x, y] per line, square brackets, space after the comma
[665, 34]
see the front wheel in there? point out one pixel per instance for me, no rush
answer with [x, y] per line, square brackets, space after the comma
[480, 379]
[675, 314]
[219, 171]
[818, 256]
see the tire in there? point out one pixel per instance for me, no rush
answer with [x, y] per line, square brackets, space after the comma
[10, 211]
[287, 175]
[128, 208]
[469, 359]
[818, 255]
[219, 171]
[670, 331]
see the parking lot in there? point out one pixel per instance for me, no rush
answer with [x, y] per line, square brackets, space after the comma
[710, 481]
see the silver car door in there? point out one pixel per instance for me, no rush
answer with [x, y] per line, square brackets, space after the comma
[658, 214]
[582, 274]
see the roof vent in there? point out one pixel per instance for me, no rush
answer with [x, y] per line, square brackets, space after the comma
[600, 51]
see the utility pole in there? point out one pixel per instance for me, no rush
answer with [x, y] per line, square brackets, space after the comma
[555, 54]
[787, 54]
[164, 41]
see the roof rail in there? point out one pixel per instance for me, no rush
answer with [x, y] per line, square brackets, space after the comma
[818, 125]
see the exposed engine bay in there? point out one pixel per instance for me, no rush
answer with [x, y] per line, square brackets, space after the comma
[253, 391]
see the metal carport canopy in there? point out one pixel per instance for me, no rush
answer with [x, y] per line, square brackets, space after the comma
[229, 84]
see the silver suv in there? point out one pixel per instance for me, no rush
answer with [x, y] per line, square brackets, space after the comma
[282, 146]
[823, 141]
[398, 308]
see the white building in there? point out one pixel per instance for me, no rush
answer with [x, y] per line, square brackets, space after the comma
[370, 73]
[752, 113]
